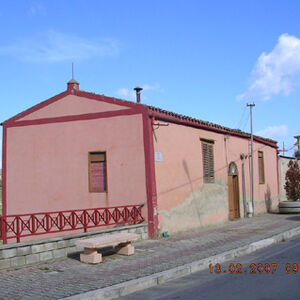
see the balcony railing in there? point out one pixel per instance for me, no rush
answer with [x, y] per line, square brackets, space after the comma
[18, 226]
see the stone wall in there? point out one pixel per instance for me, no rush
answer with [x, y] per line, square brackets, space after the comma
[283, 162]
[18, 255]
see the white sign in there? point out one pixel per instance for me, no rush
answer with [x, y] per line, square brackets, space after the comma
[158, 156]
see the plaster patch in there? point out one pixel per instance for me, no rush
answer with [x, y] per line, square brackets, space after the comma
[206, 205]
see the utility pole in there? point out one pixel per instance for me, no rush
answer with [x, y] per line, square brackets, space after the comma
[283, 149]
[252, 177]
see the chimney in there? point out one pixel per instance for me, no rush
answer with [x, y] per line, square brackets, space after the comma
[138, 94]
[73, 85]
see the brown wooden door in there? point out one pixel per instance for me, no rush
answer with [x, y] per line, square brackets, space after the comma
[233, 191]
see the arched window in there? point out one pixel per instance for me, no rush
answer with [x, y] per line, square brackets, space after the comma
[232, 170]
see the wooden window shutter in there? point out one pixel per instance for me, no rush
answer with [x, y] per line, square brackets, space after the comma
[97, 172]
[208, 162]
[261, 168]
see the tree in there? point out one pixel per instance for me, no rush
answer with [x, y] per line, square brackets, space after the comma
[292, 181]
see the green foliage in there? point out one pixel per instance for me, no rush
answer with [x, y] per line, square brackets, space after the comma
[292, 181]
[297, 153]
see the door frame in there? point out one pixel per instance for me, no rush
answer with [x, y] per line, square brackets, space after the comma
[233, 192]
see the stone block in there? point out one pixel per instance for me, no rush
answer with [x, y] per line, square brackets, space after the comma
[32, 259]
[37, 248]
[17, 261]
[4, 263]
[72, 250]
[50, 246]
[125, 250]
[23, 251]
[144, 236]
[94, 258]
[59, 253]
[44, 256]
[72, 242]
[8, 253]
[140, 230]
[62, 244]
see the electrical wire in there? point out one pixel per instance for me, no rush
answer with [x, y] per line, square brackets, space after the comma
[239, 123]
[245, 123]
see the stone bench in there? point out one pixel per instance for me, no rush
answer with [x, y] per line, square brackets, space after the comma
[121, 242]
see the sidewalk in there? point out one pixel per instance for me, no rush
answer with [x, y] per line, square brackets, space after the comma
[69, 277]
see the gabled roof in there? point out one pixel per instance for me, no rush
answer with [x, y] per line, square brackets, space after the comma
[155, 112]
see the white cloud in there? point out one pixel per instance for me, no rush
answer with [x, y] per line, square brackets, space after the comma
[130, 94]
[277, 72]
[147, 87]
[53, 46]
[36, 8]
[274, 132]
[125, 93]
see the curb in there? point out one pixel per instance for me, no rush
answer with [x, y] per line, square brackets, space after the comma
[135, 285]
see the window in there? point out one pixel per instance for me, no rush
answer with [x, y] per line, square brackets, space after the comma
[97, 172]
[261, 169]
[208, 161]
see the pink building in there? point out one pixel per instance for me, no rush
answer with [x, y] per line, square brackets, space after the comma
[81, 150]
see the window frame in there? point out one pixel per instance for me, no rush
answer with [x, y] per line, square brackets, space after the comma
[92, 159]
[261, 167]
[209, 160]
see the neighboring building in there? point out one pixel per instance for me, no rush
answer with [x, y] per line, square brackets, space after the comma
[283, 162]
[297, 151]
[81, 150]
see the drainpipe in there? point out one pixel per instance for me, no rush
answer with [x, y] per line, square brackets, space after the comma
[243, 157]
[277, 169]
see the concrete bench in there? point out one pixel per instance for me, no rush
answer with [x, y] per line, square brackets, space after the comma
[121, 242]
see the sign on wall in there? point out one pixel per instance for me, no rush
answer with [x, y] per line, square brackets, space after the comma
[158, 156]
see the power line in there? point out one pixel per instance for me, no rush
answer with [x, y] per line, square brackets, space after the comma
[239, 123]
[245, 123]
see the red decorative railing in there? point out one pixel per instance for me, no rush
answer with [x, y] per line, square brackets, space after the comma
[17, 226]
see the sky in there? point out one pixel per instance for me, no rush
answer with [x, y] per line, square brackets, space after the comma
[204, 59]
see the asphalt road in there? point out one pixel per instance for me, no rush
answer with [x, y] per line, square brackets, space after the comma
[272, 273]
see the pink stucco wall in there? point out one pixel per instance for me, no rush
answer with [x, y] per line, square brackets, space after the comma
[47, 162]
[47, 165]
[183, 200]
[72, 105]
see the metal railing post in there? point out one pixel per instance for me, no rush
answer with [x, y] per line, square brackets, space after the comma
[84, 221]
[33, 224]
[18, 229]
[3, 230]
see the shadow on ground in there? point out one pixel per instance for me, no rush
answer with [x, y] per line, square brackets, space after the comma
[108, 251]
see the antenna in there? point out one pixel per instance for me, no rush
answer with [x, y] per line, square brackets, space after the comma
[72, 70]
